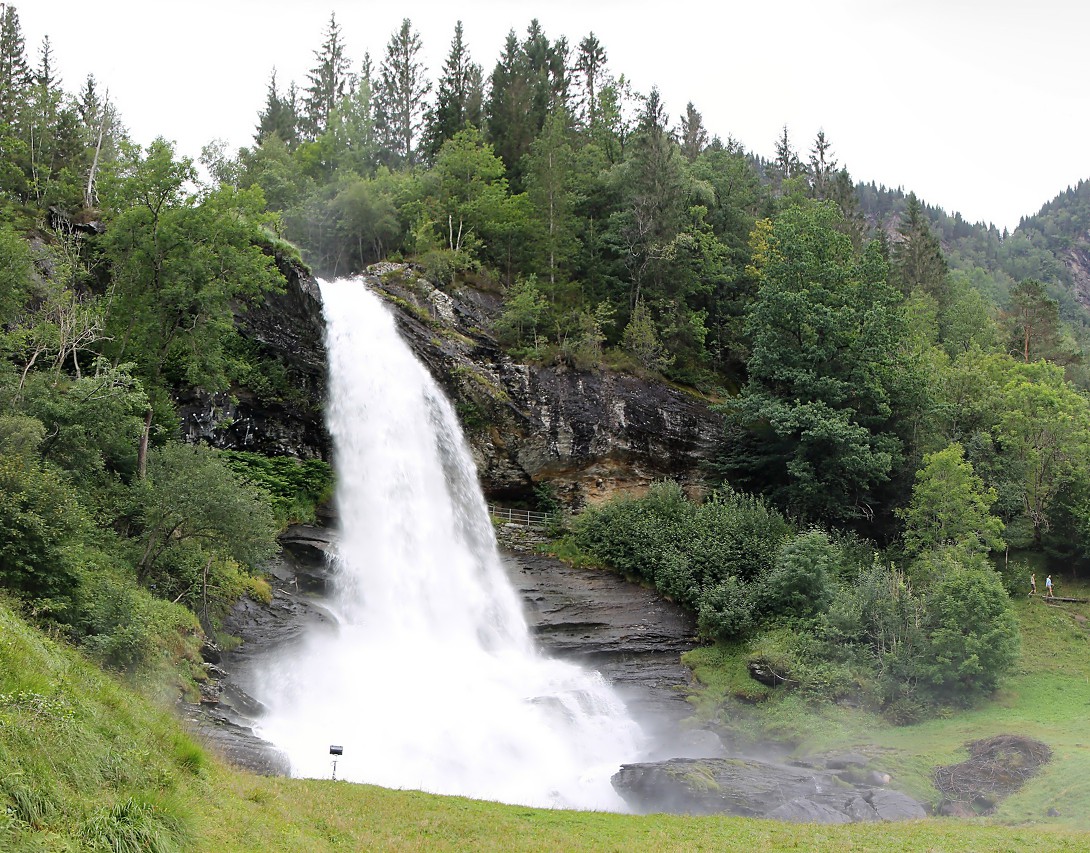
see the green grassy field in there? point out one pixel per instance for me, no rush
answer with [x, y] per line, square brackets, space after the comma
[88, 764]
[1047, 697]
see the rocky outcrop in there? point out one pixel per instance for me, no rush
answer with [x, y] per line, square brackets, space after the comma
[630, 634]
[225, 717]
[751, 788]
[282, 414]
[588, 433]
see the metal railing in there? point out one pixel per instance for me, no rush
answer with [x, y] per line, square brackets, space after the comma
[524, 517]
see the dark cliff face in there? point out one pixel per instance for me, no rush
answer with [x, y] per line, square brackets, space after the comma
[590, 434]
[281, 414]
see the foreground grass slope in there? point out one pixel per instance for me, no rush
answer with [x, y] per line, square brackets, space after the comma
[88, 764]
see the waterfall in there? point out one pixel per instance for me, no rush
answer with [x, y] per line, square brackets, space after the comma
[428, 677]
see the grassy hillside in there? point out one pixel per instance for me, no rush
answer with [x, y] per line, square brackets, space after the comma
[88, 764]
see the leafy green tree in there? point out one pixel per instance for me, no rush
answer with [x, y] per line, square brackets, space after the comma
[1044, 432]
[400, 93]
[971, 634]
[969, 321]
[191, 495]
[40, 519]
[800, 584]
[814, 425]
[179, 270]
[274, 169]
[523, 315]
[951, 507]
[641, 339]
[366, 222]
[16, 264]
[464, 193]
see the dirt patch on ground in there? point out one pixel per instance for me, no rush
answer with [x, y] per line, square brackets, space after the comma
[996, 767]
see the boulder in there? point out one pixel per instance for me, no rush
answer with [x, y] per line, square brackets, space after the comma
[753, 788]
[893, 805]
[807, 811]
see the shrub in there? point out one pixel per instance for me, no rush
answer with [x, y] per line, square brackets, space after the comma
[726, 611]
[800, 583]
[39, 518]
[297, 487]
[971, 634]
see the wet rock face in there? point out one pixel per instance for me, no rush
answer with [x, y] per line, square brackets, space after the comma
[751, 788]
[590, 434]
[286, 330]
[226, 715]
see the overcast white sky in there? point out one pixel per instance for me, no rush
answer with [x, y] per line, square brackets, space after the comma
[979, 106]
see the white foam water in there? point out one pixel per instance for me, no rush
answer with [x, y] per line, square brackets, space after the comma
[429, 678]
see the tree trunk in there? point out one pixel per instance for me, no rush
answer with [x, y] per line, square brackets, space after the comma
[142, 453]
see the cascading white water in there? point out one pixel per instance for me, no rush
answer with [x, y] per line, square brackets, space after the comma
[429, 680]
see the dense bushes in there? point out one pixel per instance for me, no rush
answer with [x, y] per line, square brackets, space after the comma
[823, 615]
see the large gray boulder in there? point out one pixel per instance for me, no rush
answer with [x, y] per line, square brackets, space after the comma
[753, 788]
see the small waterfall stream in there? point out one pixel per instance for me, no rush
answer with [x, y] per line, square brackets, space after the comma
[429, 678]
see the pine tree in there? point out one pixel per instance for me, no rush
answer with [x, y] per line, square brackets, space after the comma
[787, 162]
[400, 94]
[327, 81]
[458, 98]
[101, 132]
[654, 201]
[551, 187]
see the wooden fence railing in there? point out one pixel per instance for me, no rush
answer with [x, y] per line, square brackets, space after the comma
[525, 517]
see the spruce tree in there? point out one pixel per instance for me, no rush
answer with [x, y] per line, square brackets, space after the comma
[327, 81]
[529, 81]
[590, 63]
[693, 136]
[458, 98]
[400, 93]
[279, 116]
[822, 167]
[15, 77]
[918, 264]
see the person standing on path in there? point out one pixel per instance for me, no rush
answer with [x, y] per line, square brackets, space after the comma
[1048, 586]
[1033, 584]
